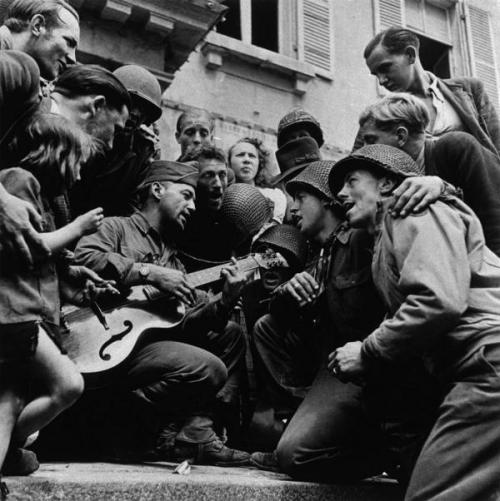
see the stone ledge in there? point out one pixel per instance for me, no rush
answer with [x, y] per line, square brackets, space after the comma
[156, 481]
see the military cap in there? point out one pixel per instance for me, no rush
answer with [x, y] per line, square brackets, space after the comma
[300, 118]
[379, 157]
[175, 172]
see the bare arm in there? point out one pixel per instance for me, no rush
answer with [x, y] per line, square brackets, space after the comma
[82, 225]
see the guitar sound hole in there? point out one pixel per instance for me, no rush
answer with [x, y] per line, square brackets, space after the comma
[115, 338]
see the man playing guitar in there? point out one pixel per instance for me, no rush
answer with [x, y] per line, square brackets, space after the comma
[182, 371]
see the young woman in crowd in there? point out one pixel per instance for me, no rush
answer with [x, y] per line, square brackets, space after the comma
[37, 381]
[248, 160]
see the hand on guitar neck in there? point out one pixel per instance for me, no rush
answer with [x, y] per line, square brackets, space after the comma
[234, 282]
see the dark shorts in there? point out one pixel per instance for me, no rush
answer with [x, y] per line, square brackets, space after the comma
[19, 341]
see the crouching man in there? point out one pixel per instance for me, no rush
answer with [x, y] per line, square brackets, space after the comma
[180, 374]
[441, 287]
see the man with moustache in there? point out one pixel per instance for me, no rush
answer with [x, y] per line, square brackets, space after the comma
[180, 375]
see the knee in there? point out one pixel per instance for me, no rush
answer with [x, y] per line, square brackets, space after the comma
[214, 373]
[67, 393]
[264, 331]
[235, 341]
[234, 333]
[286, 454]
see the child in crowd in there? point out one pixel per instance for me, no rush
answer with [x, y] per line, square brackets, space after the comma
[37, 381]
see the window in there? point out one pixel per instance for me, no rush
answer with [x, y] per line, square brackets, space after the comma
[435, 56]
[252, 21]
[431, 21]
[301, 29]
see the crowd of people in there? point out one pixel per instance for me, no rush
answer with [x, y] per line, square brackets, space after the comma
[367, 343]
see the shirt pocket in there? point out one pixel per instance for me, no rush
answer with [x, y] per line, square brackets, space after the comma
[356, 294]
[353, 279]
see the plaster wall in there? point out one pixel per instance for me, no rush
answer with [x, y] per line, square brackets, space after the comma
[250, 100]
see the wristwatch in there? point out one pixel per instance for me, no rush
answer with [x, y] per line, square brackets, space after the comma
[144, 272]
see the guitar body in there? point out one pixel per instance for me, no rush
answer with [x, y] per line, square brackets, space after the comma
[100, 353]
[101, 340]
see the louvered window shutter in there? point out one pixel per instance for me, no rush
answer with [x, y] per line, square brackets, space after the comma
[483, 54]
[390, 13]
[315, 34]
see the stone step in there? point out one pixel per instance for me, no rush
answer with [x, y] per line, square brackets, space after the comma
[157, 482]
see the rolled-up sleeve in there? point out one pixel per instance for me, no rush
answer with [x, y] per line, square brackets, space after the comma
[432, 282]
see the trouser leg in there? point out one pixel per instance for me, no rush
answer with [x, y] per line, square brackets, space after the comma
[285, 363]
[284, 368]
[229, 346]
[330, 437]
[179, 380]
[461, 457]
[404, 401]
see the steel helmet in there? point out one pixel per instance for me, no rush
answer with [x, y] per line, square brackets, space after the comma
[296, 118]
[142, 84]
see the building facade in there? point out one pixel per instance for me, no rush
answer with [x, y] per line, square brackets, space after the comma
[269, 56]
[250, 61]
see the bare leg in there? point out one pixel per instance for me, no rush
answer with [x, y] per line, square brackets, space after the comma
[10, 406]
[62, 382]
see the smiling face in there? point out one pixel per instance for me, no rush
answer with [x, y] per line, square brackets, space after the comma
[360, 196]
[245, 162]
[395, 72]
[177, 204]
[308, 212]
[54, 49]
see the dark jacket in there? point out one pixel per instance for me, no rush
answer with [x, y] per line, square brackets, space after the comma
[473, 106]
[350, 308]
[459, 159]
[471, 102]
[111, 182]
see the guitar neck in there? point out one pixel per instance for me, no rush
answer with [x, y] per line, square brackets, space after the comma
[196, 279]
[208, 275]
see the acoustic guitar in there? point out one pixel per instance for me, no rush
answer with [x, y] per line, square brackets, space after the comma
[99, 340]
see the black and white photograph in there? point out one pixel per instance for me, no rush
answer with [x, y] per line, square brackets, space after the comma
[249, 250]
